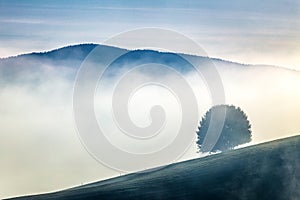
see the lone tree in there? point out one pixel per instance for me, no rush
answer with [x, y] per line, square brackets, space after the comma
[236, 129]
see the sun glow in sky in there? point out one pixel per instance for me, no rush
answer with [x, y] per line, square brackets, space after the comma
[258, 32]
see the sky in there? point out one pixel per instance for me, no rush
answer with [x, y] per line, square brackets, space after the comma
[257, 32]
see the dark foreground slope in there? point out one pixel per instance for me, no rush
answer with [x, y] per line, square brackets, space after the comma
[266, 171]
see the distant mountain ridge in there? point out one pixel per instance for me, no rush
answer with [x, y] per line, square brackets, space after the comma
[77, 53]
[80, 51]
[20, 68]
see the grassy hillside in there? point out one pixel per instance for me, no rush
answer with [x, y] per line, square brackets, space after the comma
[265, 171]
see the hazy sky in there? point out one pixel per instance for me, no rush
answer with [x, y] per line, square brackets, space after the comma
[261, 32]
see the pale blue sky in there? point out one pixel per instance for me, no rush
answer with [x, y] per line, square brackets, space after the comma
[254, 31]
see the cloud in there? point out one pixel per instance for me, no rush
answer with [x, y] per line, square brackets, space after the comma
[21, 21]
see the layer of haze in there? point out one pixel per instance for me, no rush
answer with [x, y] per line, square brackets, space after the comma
[40, 150]
[259, 32]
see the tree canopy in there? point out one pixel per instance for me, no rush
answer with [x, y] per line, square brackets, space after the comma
[236, 129]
